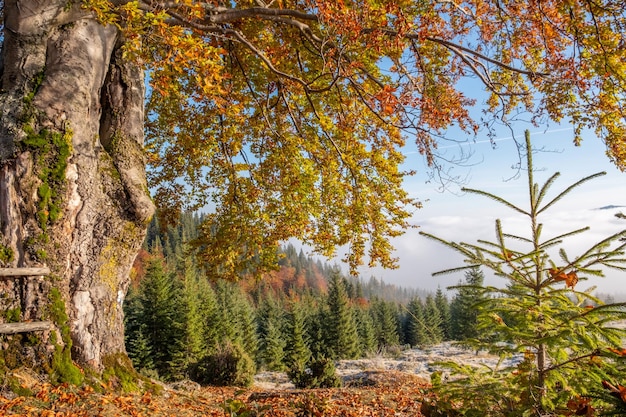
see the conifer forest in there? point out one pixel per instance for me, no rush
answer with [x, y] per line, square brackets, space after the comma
[182, 325]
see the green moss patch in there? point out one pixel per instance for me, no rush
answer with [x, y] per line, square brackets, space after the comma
[12, 315]
[119, 372]
[51, 150]
[62, 369]
[6, 254]
[37, 81]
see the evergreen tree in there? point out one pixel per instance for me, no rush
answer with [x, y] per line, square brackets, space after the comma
[211, 315]
[443, 305]
[386, 323]
[359, 289]
[343, 340]
[156, 248]
[272, 340]
[247, 334]
[235, 321]
[152, 234]
[416, 333]
[366, 331]
[297, 350]
[432, 321]
[193, 342]
[569, 350]
[137, 344]
[161, 318]
[318, 325]
[463, 310]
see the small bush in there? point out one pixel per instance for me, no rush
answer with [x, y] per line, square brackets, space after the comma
[318, 373]
[230, 365]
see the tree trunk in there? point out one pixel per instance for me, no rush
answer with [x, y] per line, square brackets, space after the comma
[73, 194]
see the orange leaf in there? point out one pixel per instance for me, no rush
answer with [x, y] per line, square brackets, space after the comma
[622, 392]
[620, 352]
[571, 279]
[618, 391]
[580, 406]
[556, 274]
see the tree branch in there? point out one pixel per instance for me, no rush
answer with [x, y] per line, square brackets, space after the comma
[576, 359]
[456, 48]
[231, 15]
[239, 37]
[452, 46]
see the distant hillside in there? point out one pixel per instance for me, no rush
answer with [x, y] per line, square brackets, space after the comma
[296, 272]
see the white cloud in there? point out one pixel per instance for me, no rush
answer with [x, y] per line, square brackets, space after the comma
[420, 256]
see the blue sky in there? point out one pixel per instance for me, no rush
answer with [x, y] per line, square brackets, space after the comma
[452, 215]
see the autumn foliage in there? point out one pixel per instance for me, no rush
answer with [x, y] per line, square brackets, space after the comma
[288, 118]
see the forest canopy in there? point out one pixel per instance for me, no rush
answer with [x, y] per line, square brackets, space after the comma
[288, 118]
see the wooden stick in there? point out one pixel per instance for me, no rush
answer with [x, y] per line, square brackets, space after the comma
[11, 328]
[23, 272]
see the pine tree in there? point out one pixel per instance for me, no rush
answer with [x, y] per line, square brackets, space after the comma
[359, 289]
[211, 315]
[137, 344]
[386, 323]
[367, 333]
[193, 342]
[463, 308]
[318, 325]
[235, 321]
[272, 350]
[343, 338]
[160, 299]
[570, 349]
[272, 339]
[297, 350]
[152, 234]
[416, 333]
[432, 321]
[247, 334]
[443, 305]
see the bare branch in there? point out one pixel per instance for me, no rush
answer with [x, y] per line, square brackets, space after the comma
[482, 75]
[453, 46]
[232, 15]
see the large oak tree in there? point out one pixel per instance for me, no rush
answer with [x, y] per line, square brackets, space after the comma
[282, 119]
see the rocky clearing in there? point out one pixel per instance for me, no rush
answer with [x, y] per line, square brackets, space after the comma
[416, 362]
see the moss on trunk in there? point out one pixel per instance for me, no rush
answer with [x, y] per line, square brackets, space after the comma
[62, 368]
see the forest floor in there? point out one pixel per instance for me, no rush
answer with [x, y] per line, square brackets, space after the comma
[378, 386]
[376, 393]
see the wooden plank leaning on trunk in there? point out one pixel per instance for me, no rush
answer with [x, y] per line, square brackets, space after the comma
[31, 326]
[23, 327]
[23, 272]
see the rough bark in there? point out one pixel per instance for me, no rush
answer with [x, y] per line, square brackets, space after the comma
[73, 194]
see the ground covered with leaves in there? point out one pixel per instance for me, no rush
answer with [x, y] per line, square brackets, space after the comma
[388, 393]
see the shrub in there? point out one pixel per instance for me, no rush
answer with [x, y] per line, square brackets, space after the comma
[230, 365]
[318, 373]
